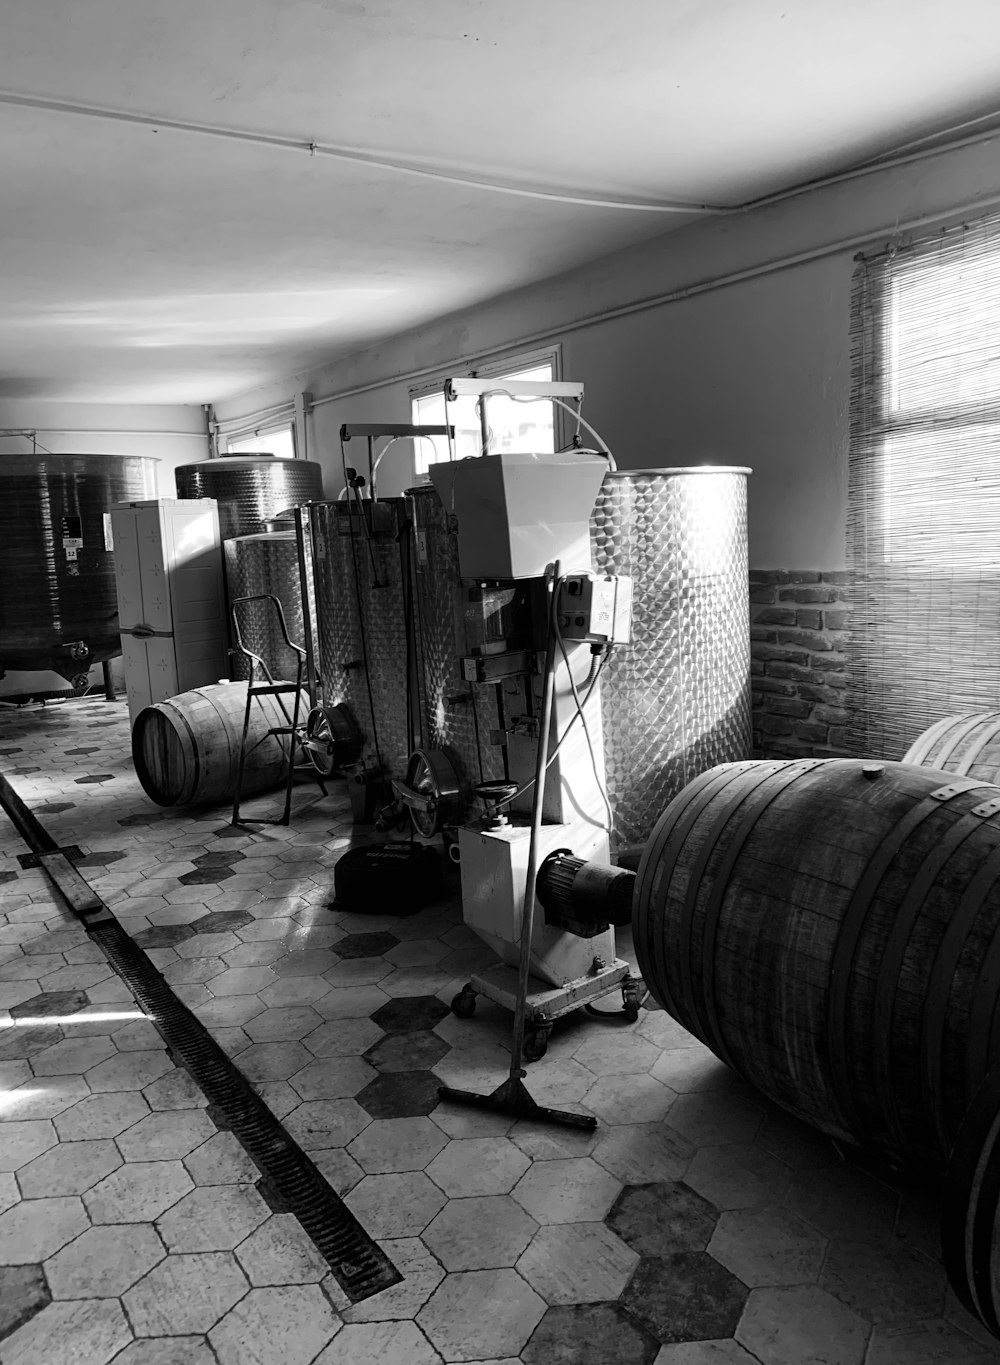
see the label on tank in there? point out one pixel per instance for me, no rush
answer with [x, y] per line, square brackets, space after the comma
[109, 539]
[72, 534]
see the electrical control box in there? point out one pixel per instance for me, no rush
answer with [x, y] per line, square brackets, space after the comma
[595, 608]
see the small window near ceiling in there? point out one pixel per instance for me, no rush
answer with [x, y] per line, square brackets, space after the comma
[514, 424]
[280, 442]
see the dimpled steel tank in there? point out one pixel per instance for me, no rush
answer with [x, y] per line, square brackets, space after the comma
[361, 614]
[266, 564]
[676, 700]
[58, 599]
[457, 716]
[250, 489]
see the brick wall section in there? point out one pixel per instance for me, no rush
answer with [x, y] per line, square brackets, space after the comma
[798, 636]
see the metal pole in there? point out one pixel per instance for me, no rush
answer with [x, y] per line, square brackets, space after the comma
[109, 685]
[537, 803]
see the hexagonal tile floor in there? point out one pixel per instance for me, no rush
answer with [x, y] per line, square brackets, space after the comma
[698, 1225]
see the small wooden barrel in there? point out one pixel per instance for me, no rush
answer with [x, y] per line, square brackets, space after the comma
[186, 749]
[831, 930]
[968, 746]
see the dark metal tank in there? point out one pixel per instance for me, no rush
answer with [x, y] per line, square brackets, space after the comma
[250, 489]
[58, 599]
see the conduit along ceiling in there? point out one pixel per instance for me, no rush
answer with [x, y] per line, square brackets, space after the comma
[148, 262]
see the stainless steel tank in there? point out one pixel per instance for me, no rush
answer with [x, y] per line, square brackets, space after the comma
[250, 489]
[677, 699]
[58, 598]
[361, 615]
[266, 564]
[456, 716]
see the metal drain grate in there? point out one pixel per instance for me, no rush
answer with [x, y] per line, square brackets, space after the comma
[359, 1265]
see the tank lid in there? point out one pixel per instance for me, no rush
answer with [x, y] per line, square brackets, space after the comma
[268, 537]
[38, 459]
[244, 462]
[681, 469]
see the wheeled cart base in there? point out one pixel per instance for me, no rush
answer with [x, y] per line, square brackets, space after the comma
[545, 1004]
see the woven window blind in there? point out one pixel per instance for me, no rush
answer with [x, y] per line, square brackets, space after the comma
[924, 487]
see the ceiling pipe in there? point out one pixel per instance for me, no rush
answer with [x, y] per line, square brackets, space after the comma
[357, 157]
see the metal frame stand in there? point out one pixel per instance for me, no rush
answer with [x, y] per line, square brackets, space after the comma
[294, 729]
[513, 1096]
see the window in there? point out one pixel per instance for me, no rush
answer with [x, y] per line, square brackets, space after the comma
[513, 425]
[278, 441]
[924, 492]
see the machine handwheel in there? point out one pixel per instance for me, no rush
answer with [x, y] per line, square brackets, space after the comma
[464, 1003]
[536, 1042]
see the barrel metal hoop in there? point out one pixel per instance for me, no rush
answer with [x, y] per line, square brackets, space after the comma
[889, 971]
[939, 987]
[680, 816]
[971, 1196]
[974, 751]
[851, 928]
[921, 747]
[961, 732]
[964, 784]
[705, 1008]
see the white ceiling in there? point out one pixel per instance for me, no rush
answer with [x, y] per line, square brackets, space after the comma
[149, 264]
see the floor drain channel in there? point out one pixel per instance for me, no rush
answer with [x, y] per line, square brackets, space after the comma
[359, 1265]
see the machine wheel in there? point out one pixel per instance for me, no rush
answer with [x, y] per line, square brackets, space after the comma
[536, 1042]
[630, 1000]
[464, 1003]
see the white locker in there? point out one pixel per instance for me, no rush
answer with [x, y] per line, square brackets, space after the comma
[171, 597]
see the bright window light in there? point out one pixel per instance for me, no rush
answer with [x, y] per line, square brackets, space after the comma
[514, 426]
[280, 441]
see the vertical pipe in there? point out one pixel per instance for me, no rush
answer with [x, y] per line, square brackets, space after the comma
[537, 803]
[109, 684]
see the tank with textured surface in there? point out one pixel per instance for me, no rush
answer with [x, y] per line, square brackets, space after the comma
[676, 700]
[250, 489]
[58, 598]
[268, 564]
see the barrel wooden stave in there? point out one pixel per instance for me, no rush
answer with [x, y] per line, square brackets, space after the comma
[968, 745]
[747, 943]
[186, 748]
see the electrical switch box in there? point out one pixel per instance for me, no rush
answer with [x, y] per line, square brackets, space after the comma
[596, 609]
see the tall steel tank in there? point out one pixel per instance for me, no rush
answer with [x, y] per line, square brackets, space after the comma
[250, 489]
[58, 598]
[361, 618]
[675, 701]
[456, 716]
[267, 563]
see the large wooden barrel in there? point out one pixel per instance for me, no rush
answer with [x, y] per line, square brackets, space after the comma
[967, 745]
[186, 749]
[829, 928]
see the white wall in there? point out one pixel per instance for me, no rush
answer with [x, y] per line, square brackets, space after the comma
[171, 435]
[748, 371]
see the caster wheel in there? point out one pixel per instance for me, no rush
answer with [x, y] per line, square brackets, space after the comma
[464, 1004]
[631, 994]
[536, 1043]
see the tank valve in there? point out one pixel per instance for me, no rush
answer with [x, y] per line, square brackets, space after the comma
[871, 771]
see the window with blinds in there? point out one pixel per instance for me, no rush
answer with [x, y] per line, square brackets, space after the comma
[924, 490]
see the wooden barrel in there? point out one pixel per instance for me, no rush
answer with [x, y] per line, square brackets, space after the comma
[966, 745]
[186, 749]
[971, 1207]
[829, 928]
